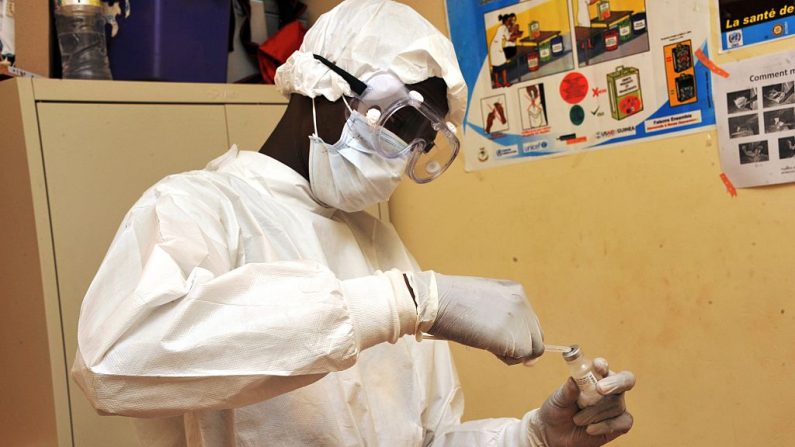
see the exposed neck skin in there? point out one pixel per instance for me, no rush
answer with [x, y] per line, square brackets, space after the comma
[289, 141]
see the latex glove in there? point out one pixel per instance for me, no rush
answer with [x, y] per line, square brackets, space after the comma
[482, 313]
[561, 423]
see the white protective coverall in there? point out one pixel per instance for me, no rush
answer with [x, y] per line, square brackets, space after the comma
[232, 309]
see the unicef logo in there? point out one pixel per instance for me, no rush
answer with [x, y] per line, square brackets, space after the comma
[536, 146]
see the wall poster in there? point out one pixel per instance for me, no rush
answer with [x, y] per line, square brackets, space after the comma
[555, 77]
[748, 22]
[756, 129]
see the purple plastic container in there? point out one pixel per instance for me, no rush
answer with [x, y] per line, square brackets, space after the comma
[172, 40]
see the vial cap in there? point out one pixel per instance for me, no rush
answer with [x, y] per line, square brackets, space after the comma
[572, 355]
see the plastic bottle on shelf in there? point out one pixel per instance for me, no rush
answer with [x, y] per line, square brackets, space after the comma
[80, 26]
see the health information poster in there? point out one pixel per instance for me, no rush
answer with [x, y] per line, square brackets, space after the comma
[756, 128]
[556, 77]
[749, 22]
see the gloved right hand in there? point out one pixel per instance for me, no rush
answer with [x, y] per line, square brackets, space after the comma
[561, 422]
[488, 314]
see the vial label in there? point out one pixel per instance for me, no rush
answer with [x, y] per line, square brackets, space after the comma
[588, 381]
[545, 52]
[639, 25]
[624, 31]
[557, 48]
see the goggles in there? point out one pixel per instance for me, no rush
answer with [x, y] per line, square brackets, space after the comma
[397, 114]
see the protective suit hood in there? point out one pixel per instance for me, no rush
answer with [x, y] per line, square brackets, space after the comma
[365, 37]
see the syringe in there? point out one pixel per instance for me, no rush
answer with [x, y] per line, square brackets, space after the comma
[549, 348]
[557, 348]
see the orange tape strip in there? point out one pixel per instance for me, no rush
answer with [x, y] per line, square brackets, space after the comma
[577, 140]
[729, 185]
[712, 66]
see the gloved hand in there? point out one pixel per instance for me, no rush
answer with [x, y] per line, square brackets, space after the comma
[482, 313]
[561, 423]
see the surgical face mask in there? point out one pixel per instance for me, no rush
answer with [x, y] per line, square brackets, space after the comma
[428, 141]
[349, 175]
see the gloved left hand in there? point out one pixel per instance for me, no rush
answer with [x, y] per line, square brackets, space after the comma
[561, 423]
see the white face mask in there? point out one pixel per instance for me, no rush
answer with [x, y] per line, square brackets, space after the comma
[349, 175]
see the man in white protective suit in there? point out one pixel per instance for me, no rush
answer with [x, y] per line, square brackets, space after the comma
[254, 303]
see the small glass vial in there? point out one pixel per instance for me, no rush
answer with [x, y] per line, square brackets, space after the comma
[581, 369]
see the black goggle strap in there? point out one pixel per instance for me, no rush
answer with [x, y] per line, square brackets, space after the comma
[357, 86]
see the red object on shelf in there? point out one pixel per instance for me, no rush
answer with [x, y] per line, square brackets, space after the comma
[278, 48]
[611, 40]
[533, 61]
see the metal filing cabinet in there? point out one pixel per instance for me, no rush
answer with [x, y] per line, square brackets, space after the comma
[75, 155]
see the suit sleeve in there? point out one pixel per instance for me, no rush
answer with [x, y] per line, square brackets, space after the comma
[176, 321]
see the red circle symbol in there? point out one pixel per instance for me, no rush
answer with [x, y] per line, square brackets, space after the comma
[630, 105]
[574, 88]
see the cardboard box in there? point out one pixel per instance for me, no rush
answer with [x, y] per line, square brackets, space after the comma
[33, 36]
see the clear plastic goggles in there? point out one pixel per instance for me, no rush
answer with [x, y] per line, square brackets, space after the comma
[403, 124]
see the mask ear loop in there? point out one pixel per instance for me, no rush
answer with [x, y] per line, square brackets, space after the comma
[345, 101]
[314, 117]
[346, 104]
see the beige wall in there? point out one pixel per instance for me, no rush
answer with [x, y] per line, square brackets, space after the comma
[638, 254]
